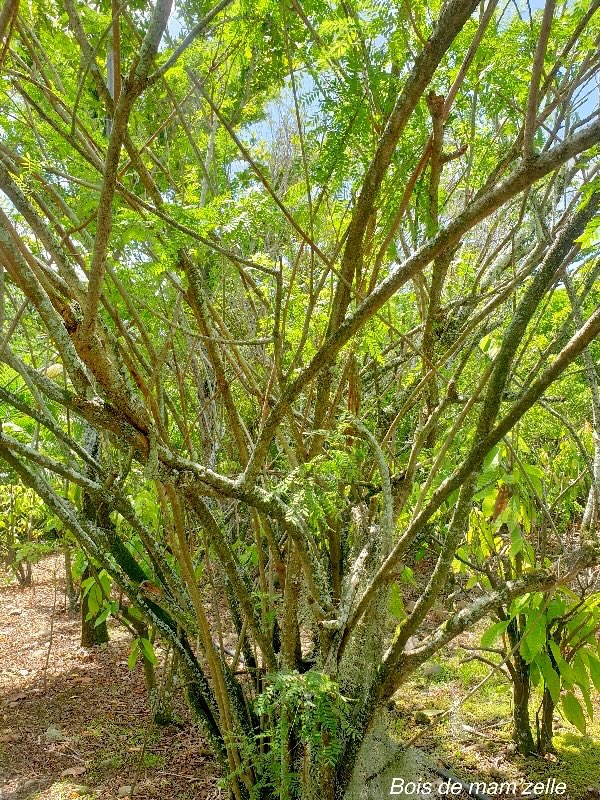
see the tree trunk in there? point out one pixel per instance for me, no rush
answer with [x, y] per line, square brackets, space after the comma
[521, 722]
[22, 571]
[545, 731]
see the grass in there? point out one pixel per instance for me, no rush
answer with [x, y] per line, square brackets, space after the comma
[475, 737]
[579, 763]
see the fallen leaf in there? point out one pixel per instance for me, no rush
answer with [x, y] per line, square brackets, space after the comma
[85, 655]
[16, 697]
[10, 737]
[72, 771]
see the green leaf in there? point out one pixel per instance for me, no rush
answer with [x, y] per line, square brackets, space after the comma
[105, 582]
[408, 576]
[520, 604]
[535, 674]
[594, 665]
[490, 345]
[556, 608]
[133, 655]
[148, 651]
[395, 604]
[493, 632]
[591, 234]
[588, 703]
[516, 541]
[78, 565]
[573, 711]
[580, 670]
[535, 636]
[565, 669]
[551, 677]
[472, 581]
[489, 501]
[94, 599]
[110, 607]
[103, 616]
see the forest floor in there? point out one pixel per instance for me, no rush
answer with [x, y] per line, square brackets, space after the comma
[76, 724]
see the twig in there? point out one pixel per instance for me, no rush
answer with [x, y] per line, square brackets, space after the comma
[536, 74]
[238, 647]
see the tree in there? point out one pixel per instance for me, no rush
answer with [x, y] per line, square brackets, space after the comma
[20, 544]
[301, 351]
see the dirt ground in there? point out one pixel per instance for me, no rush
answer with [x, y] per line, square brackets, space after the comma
[75, 722]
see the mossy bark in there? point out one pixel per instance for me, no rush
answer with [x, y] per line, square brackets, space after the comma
[521, 721]
[546, 727]
[521, 680]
